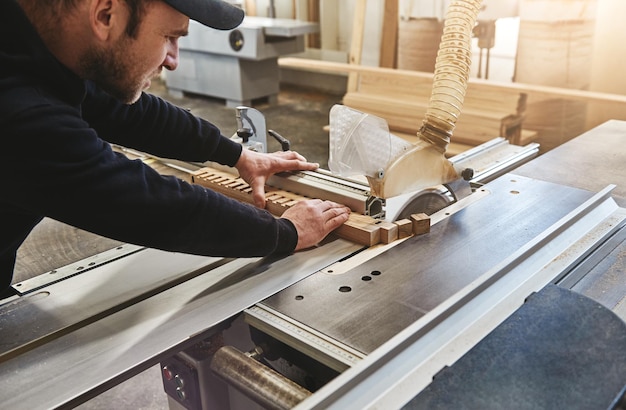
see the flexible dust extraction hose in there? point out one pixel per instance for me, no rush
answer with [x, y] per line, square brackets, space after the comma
[425, 164]
[400, 167]
[452, 70]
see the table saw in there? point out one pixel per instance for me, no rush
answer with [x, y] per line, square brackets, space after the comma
[534, 248]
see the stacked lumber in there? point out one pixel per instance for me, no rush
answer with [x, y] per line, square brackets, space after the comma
[360, 229]
[555, 48]
[558, 53]
[418, 43]
[555, 43]
[605, 106]
[402, 100]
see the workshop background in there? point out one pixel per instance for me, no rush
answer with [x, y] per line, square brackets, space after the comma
[556, 65]
[562, 57]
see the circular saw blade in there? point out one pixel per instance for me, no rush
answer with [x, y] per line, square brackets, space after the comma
[427, 201]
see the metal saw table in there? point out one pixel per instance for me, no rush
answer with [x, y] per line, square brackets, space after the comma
[375, 306]
[386, 319]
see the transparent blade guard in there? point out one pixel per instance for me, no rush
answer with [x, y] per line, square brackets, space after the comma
[360, 144]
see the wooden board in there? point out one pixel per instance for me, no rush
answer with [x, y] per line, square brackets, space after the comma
[475, 125]
[356, 46]
[537, 92]
[360, 229]
[390, 34]
[402, 101]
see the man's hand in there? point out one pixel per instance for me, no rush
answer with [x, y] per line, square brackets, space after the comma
[255, 168]
[314, 219]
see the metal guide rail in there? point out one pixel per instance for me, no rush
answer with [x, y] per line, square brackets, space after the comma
[326, 350]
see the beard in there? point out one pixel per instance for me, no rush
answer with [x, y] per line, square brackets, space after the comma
[115, 71]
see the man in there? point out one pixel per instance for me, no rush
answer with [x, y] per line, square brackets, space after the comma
[72, 75]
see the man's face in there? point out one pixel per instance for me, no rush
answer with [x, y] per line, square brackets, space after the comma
[124, 69]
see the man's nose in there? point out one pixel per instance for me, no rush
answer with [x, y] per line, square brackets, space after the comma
[171, 58]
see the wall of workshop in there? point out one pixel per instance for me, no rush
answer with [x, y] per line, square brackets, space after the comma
[337, 21]
[609, 53]
[607, 73]
[336, 25]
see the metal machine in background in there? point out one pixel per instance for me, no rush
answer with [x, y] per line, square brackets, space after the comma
[238, 65]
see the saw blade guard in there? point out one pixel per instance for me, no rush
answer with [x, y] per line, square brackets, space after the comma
[392, 168]
[361, 144]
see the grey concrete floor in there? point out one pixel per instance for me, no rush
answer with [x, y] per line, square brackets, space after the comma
[142, 392]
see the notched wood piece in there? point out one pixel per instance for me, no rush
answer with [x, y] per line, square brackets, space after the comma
[405, 228]
[360, 229]
[388, 231]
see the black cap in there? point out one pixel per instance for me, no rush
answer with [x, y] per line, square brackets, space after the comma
[213, 13]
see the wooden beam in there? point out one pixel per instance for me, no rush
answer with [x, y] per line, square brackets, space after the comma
[405, 228]
[356, 45]
[531, 89]
[250, 6]
[313, 15]
[389, 40]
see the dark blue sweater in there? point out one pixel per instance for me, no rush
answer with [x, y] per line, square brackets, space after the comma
[55, 161]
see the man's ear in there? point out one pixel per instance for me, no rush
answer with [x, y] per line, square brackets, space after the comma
[107, 17]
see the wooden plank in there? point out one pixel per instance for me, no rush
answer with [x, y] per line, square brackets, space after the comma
[473, 126]
[402, 100]
[360, 229]
[313, 11]
[409, 88]
[356, 46]
[389, 40]
[418, 43]
[533, 91]
[401, 108]
[250, 6]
